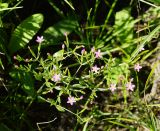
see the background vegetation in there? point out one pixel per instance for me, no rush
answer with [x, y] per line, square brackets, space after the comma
[79, 65]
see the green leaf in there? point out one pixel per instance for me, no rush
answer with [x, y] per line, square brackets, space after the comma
[1, 23]
[147, 39]
[124, 25]
[60, 108]
[59, 55]
[26, 79]
[70, 4]
[3, 6]
[55, 33]
[25, 32]
[1, 64]
[41, 99]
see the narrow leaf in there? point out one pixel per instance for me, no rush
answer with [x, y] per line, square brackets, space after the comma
[144, 42]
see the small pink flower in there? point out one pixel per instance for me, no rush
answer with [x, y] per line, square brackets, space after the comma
[26, 60]
[142, 49]
[65, 33]
[48, 54]
[83, 51]
[112, 87]
[56, 78]
[93, 49]
[137, 67]
[39, 39]
[14, 57]
[130, 86]
[71, 100]
[63, 46]
[98, 54]
[81, 97]
[95, 69]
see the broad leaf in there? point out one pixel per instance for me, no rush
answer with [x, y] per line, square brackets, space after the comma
[3, 6]
[55, 33]
[123, 29]
[25, 32]
[124, 25]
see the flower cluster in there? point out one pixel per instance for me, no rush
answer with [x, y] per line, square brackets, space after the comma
[129, 86]
[96, 53]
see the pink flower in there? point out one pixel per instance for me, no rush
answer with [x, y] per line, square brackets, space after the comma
[48, 54]
[65, 33]
[81, 97]
[98, 54]
[56, 78]
[39, 39]
[83, 51]
[63, 46]
[130, 86]
[14, 57]
[142, 49]
[137, 67]
[112, 87]
[93, 49]
[95, 69]
[71, 100]
[26, 60]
